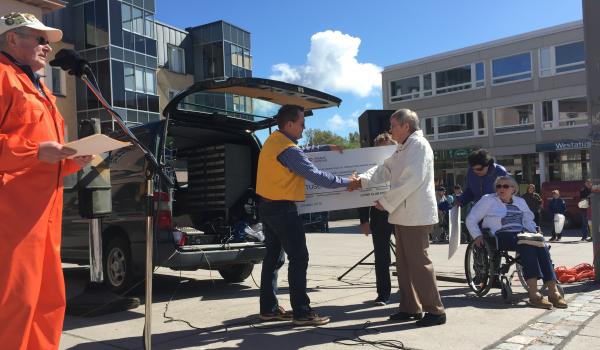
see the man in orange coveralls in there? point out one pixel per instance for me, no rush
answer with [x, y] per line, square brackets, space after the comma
[32, 165]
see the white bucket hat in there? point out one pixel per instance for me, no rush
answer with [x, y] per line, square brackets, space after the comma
[15, 20]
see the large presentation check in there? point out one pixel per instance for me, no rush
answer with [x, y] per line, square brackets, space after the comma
[343, 164]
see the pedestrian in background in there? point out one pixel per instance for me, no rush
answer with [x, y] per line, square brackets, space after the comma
[33, 162]
[557, 207]
[534, 202]
[584, 196]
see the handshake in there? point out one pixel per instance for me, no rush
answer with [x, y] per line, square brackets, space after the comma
[355, 183]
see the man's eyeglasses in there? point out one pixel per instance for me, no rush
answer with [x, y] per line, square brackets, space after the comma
[39, 38]
[504, 186]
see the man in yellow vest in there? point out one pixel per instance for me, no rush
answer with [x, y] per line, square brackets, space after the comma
[282, 168]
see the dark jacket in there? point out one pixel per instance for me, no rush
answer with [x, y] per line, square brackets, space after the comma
[557, 206]
[533, 200]
[477, 186]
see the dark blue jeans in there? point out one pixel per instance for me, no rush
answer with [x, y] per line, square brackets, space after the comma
[284, 233]
[381, 231]
[536, 261]
[584, 224]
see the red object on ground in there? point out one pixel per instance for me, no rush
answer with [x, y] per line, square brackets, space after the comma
[581, 272]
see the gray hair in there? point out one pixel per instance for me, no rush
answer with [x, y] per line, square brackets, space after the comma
[509, 179]
[4, 36]
[407, 116]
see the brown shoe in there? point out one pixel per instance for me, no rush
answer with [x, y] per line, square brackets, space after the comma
[558, 301]
[540, 303]
[310, 319]
[278, 315]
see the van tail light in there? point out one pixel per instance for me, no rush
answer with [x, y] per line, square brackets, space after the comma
[180, 238]
[164, 217]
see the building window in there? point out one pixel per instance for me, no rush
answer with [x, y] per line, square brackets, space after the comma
[567, 112]
[55, 80]
[453, 79]
[172, 93]
[455, 126]
[511, 68]
[175, 57]
[129, 77]
[137, 21]
[456, 79]
[405, 89]
[562, 58]
[513, 118]
[139, 79]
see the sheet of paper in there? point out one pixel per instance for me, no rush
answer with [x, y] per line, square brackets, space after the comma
[454, 229]
[95, 144]
[343, 164]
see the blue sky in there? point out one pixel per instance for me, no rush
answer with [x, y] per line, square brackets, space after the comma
[341, 46]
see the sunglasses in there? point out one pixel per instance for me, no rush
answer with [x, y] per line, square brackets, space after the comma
[40, 39]
[505, 186]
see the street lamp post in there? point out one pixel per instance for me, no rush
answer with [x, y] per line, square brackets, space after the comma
[591, 34]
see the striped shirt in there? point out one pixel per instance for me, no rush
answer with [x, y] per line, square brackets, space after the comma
[294, 159]
[513, 221]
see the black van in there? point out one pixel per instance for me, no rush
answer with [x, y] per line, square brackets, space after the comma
[212, 156]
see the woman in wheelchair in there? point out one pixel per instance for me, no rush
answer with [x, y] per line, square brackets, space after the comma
[506, 215]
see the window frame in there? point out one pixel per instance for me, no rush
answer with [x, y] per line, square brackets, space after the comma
[422, 93]
[553, 67]
[512, 74]
[555, 122]
[450, 135]
[170, 48]
[533, 114]
[49, 73]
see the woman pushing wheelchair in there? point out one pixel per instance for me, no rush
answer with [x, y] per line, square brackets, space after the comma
[506, 216]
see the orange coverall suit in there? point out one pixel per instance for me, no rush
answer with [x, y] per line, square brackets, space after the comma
[32, 289]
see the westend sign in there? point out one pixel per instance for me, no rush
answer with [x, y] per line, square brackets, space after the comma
[564, 145]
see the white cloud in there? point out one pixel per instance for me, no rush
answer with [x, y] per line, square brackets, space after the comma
[264, 108]
[331, 65]
[337, 123]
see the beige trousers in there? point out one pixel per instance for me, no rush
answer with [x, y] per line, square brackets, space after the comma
[416, 278]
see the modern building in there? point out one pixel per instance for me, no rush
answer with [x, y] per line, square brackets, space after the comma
[140, 64]
[217, 50]
[523, 98]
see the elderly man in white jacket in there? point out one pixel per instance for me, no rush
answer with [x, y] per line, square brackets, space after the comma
[412, 208]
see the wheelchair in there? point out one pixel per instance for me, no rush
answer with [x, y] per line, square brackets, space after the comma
[489, 267]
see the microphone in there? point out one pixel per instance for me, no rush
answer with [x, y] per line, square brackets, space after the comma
[69, 60]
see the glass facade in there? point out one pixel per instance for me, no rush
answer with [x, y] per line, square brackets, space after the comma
[118, 39]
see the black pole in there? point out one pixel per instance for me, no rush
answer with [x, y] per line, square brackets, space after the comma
[591, 33]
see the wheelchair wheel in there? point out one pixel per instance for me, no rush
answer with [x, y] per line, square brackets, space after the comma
[477, 269]
[540, 284]
[506, 289]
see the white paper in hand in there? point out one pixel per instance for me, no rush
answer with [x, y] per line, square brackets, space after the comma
[454, 228]
[95, 144]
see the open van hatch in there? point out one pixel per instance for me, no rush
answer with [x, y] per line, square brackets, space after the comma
[264, 95]
[211, 152]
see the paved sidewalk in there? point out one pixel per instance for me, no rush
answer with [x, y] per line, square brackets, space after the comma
[198, 310]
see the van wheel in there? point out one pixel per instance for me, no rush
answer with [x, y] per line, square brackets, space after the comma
[236, 273]
[118, 272]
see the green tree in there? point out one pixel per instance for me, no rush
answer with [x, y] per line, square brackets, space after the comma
[326, 137]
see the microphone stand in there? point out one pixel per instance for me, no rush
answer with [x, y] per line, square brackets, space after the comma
[153, 170]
